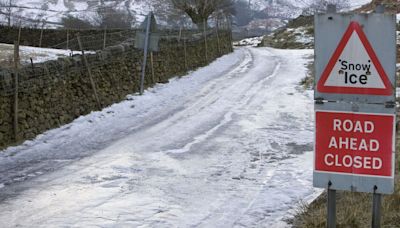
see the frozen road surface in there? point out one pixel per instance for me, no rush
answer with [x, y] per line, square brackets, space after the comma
[229, 145]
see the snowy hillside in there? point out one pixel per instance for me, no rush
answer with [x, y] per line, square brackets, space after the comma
[293, 8]
[262, 4]
[266, 15]
[272, 14]
[51, 11]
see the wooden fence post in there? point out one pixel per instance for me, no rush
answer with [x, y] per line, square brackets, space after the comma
[89, 71]
[185, 50]
[205, 40]
[41, 36]
[67, 39]
[105, 38]
[16, 90]
[19, 35]
[180, 33]
[152, 67]
[218, 41]
[230, 34]
[16, 83]
[32, 66]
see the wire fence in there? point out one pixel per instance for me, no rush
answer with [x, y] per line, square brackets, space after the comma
[66, 38]
[103, 49]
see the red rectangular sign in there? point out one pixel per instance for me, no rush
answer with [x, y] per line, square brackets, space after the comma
[354, 143]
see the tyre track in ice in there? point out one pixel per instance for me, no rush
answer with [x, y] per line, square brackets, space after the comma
[204, 103]
[224, 215]
[254, 83]
[256, 86]
[247, 99]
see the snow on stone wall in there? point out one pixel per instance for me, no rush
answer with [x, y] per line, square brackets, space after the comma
[56, 92]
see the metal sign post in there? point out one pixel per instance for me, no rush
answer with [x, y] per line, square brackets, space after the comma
[355, 115]
[376, 209]
[331, 207]
[146, 46]
[148, 41]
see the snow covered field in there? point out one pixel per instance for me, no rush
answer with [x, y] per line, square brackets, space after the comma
[37, 54]
[229, 145]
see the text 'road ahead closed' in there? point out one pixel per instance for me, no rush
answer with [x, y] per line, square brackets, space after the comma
[354, 143]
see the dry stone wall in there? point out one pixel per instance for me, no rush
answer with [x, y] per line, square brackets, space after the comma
[57, 38]
[54, 93]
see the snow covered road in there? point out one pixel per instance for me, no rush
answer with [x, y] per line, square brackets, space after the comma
[226, 146]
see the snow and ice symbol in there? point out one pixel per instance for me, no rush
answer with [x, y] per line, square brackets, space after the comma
[354, 67]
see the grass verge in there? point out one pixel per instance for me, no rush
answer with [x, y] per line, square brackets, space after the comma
[353, 209]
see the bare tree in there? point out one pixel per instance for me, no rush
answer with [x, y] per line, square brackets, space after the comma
[109, 17]
[165, 11]
[200, 10]
[6, 9]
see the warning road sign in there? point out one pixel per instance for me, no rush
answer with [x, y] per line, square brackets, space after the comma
[354, 67]
[355, 115]
[354, 151]
[355, 57]
[354, 143]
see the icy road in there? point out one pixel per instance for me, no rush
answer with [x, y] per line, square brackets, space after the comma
[229, 145]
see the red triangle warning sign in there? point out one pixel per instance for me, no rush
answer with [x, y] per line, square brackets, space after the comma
[354, 67]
